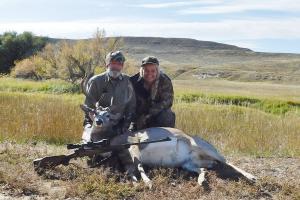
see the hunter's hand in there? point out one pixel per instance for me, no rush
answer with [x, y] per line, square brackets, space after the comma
[126, 131]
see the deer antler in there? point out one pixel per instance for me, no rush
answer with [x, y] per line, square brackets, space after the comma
[84, 82]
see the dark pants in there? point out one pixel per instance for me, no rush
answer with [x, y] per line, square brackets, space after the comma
[165, 118]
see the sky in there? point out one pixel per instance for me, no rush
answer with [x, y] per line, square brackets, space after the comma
[261, 25]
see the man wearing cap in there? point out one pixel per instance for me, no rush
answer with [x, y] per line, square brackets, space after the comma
[154, 96]
[108, 86]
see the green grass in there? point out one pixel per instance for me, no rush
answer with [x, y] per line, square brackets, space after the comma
[266, 105]
[47, 86]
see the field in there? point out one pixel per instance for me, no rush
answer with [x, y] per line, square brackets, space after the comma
[255, 125]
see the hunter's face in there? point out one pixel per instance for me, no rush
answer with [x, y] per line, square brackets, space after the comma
[116, 65]
[150, 73]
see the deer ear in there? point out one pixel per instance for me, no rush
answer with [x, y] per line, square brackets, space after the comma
[83, 108]
[86, 109]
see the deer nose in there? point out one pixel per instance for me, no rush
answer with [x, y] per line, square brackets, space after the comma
[99, 122]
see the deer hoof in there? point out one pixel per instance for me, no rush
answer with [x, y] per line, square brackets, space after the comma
[149, 184]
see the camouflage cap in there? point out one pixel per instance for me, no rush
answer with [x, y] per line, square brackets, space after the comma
[149, 60]
[115, 56]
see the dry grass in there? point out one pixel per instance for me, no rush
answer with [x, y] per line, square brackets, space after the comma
[58, 119]
[279, 179]
[283, 92]
[241, 130]
[51, 118]
[30, 118]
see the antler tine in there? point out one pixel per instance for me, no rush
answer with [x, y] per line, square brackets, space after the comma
[83, 84]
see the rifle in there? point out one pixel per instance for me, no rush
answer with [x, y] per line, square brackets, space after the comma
[86, 149]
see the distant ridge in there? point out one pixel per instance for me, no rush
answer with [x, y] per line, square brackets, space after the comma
[192, 44]
[184, 58]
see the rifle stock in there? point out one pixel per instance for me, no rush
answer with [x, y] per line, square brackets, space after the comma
[82, 150]
[51, 161]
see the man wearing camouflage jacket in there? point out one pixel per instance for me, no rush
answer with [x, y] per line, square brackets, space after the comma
[154, 96]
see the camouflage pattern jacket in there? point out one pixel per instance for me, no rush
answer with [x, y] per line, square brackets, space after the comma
[152, 102]
[101, 88]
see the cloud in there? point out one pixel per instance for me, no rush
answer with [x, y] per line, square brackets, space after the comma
[177, 4]
[216, 31]
[237, 6]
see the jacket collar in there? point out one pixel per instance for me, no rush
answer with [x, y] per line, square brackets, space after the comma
[140, 78]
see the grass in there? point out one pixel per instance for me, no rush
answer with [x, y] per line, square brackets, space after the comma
[53, 118]
[234, 123]
[37, 122]
[238, 130]
[76, 181]
[48, 86]
[261, 90]
[58, 119]
[269, 104]
[266, 105]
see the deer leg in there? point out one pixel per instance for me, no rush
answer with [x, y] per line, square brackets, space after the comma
[201, 178]
[246, 175]
[130, 167]
[130, 170]
[201, 171]
[145, 178]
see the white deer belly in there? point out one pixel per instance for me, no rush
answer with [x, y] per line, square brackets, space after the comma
[167, 154]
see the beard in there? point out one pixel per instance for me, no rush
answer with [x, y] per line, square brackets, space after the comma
[113, 73]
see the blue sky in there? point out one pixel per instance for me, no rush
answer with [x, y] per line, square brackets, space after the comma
[261, 25]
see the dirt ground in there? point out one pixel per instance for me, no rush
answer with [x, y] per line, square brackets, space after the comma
[279, 178]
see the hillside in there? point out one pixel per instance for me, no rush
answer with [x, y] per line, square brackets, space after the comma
[193, 59]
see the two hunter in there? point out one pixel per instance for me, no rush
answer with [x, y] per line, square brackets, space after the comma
[149, 105]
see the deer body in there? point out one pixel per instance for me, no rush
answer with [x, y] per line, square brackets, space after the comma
[174, 153]
[190, 153]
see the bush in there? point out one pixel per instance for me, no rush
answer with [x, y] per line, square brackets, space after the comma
[16, 47]
[34, 67]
